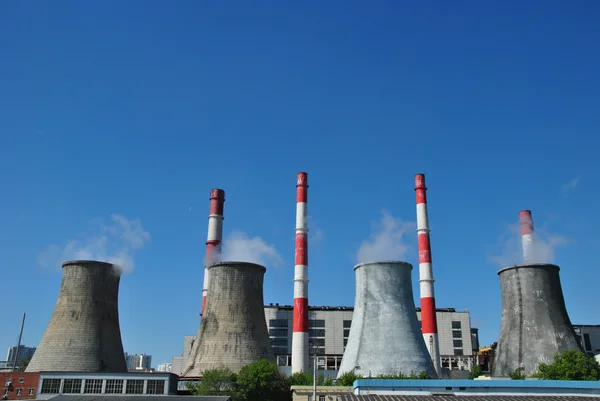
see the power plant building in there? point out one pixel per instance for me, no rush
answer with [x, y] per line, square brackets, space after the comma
[329, 328]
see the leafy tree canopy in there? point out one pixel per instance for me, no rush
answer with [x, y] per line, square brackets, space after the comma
[261, 380]
[570, 365]
[475, 372]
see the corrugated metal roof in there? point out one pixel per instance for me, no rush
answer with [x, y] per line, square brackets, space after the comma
[118, 397]
[452, 397]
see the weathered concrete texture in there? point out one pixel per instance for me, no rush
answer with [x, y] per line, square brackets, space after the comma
[233, 331]
[535, 324]
[385, 336]
[83, 334]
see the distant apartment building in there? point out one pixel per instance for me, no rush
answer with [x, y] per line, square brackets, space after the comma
[138, 362]
[24, 355]
[164, 367]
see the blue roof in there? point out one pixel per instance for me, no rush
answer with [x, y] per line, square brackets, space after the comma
[477, 383]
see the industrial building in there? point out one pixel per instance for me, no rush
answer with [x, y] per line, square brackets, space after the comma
[51, 384]
[138, 362]
[330, 329]
[588, 336]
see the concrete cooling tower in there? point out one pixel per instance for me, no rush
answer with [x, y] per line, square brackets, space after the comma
[385, 336]
[83, 334]
[233, 331]
[535, 324]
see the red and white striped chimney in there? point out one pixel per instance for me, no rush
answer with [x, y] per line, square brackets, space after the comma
[428, 308]
[300, 354]
[215, 237]
[526, 223]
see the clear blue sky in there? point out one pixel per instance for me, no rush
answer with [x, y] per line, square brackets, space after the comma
[139, 108]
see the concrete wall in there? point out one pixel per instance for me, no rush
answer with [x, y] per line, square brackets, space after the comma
[83, 333]
[535, 324]
[385, 337]
[233, 332]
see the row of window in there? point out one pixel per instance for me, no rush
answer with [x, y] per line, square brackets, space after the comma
[94, 386]
[312, 342]
[456, 324]
[284, 333]
[284, 323]
[20, 391]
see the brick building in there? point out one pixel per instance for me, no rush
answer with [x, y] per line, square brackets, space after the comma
[19, 385]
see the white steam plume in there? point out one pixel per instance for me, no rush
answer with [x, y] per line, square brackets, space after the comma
[114, 242]
[239, 247]
[543, 247]
[387, 240]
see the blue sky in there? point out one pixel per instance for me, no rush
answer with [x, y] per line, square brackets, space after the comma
[137, 109]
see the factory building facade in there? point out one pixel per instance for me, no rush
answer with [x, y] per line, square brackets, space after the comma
[329, 329]
[588, 336]
[51, 384]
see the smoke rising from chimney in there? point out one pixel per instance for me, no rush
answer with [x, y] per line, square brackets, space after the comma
[543, 247]
[239, 247]
[114, 242]
[390, 239]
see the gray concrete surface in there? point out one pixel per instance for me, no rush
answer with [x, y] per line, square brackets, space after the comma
[385, 336]
[83, 334]
[233, 331]
[535, 324]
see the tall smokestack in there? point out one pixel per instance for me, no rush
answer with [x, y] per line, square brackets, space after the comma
[526, 223]
[428, 314]
[300, 324]
[215, 237]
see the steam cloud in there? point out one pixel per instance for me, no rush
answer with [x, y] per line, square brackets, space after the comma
[241, 248]
[387, 240]
[114, 242]
[543, 248]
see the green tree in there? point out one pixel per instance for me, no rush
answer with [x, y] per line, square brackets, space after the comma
[475, 372]
[348, 378]
[301, 379]
[219, 382]
[570, 365]
[518, 374]
[261, 381]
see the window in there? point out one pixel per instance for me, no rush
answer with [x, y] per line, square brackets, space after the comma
[346, 332]
[457, 343]
[135, 387]
[92, 386]
[321, 398]
[114, 386]
[586, 340]
[316, 323]
[50, 386]
[456, 325]
[21, 379]
[345, 342]
[8, 380]
[456, 334]
[19, 391]
[278, 323]
[458, 351]
[316, 342]
[279, 342]
[72, 386]
[155, 387]
[316, 333]
[31, 391]
[278, 332]
[5, 392]
[280, 350]
[347, 324]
